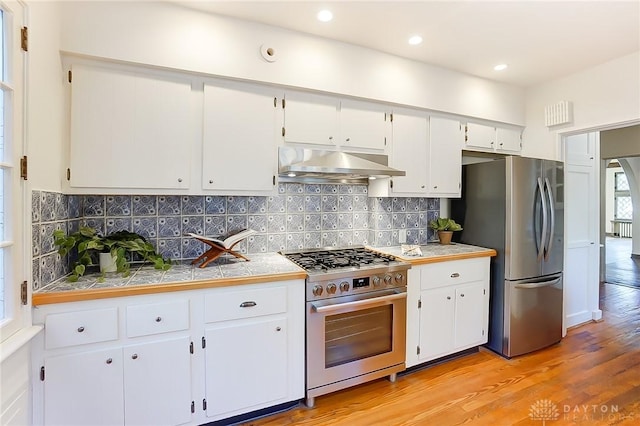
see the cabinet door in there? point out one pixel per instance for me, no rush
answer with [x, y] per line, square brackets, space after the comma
[157, 383]
[310, 119]
[129, 130]
[445, 157]
[436, 322]
[246, 365]
[480, 136]
[509, 140]
[409, 152]
[470, 321]
[84, 389]
[363, 125]
[239, 138]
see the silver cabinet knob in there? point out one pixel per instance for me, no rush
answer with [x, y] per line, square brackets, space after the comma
[179, 179]
[330, 138]
[422, 187]
[448, 297]
[109, 360]
[461, 294]
[347, 139]
[210, 180]
[80, 329]
[435, 187]
[134, 356]
[158, 319]
[278, 328]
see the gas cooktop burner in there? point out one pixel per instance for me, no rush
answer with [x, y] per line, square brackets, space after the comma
[328, 259]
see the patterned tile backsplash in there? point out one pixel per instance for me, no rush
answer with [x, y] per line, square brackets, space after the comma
[300, 216]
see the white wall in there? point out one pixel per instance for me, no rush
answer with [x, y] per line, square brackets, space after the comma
[631, 168]
[171, 36]
[602, 96]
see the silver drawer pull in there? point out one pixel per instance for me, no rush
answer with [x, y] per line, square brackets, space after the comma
[158, 319]
[109, 360]
[80, 329]
[248, 304]
[455, 275]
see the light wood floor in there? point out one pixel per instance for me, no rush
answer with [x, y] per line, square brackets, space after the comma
[595, 368]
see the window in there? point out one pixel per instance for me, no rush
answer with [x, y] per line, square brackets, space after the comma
[623, 208]
[13, 225]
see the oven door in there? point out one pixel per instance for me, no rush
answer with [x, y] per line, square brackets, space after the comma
[354, 335]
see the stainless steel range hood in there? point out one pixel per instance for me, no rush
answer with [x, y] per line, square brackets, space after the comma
[311, 165]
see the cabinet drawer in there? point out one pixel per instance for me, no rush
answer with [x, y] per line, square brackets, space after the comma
[454, 272]
[143, 320]
[231, 305]
[79, 328]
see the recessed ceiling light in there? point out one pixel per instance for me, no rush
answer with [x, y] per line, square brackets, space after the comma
[325, 16]
[500, 67]
[416, 39]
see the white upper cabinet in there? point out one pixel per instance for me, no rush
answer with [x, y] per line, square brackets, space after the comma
[130, 130]
[480, 137]
[409, 152]
[310, 119]
[239, 151]
[363, 125]
[445, 157]
[330, 121]
[508, 140]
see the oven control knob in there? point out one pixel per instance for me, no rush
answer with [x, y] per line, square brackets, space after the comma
[376, 281]
[399, 278]
[387, 279]
[317, 290]
[331, 288]
[344, 286]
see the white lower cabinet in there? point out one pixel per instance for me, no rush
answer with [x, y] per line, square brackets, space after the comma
[157, 383]
[450, 308]
[189, 357]
[259, 351]
[254, 355]
[84, 388]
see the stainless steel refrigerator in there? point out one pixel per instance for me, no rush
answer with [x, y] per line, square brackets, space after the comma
[515, 205]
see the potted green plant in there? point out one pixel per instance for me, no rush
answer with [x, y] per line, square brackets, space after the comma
[445, 228]
[115, 246]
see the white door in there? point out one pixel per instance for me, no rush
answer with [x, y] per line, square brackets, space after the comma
[436, 322]
[470, 308]
[509, 140]
[84, 389]
[157, 383]
[310, 119]
[246, 365]
[239, 138]
[363, 125]
[581, 286]
[139, 127]
[409, 152]
[445, 157]
[480, 136]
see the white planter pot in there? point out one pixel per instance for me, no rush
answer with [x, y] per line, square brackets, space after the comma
[107, 262]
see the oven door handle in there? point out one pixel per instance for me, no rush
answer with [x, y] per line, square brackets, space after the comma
[359, 303]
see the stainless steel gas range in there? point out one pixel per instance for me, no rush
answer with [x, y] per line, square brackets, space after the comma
[356, 317]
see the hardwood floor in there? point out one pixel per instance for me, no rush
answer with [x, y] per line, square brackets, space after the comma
[621, 268]
[592, 377]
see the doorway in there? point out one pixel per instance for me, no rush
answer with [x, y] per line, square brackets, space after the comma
[620, 266]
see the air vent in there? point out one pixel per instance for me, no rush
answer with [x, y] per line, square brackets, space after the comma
[558, 113]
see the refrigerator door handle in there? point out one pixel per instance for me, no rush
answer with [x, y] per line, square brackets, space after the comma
[552, 215]
[543, 232]
[540, 284]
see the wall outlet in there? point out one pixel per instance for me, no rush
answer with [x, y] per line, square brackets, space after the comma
[402, 236]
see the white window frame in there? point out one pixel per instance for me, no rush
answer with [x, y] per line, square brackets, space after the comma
[17, 229]
[619, 193]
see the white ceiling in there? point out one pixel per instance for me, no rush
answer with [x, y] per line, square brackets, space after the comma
[540, 40]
